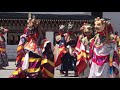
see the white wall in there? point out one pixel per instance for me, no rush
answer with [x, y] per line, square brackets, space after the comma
[11, 51]
[50, 36]
[5, 37]
[115, 19]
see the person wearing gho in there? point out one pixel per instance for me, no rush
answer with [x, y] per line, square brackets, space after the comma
[3, 54]
[104, 51]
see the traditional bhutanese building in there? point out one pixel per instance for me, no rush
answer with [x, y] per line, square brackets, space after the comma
[50, 21]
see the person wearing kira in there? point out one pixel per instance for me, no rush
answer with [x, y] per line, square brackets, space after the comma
[82, 50]
[104, 51]
[32, 59]
[3, 54]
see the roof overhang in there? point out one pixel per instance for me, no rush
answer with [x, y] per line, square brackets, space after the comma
[5, 15]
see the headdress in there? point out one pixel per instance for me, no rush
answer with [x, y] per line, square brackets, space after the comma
[3, 30]
[107, 25]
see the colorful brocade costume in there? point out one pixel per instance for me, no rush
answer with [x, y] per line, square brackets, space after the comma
[3, 54]
[69, 60]
[82, 51]
[105, 58]
[63, 50]
[104, 51]
[34, 61]
[47, 63]
[20, 49]
[59, 49]
[28, 58]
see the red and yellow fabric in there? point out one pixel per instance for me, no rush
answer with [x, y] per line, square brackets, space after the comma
[47, 68]
[34, 67]
[2, 49]
[18, 73]
[32, 46]
[20, 52]
[20, 47]
[82, 56]
[60, 52]
[81, 62]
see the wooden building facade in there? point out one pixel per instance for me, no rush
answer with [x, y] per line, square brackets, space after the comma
[16, 22]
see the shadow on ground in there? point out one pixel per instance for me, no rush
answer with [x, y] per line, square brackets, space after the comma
[11, 60]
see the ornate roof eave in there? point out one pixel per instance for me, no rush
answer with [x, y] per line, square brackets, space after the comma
[24, 16]
[12, 19]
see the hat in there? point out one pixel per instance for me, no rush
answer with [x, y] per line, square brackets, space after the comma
[107, 25]
[85, 25]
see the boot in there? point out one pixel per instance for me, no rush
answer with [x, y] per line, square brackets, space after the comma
[66, 74]
[1, 67]
[62, 72]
